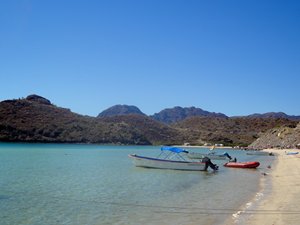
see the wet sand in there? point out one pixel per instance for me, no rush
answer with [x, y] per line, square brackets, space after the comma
[281, 206]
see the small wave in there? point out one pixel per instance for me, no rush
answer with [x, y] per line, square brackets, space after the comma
[248, 204]
[236, 216]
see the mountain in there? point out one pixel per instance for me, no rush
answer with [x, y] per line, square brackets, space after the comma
[228, 131]
[274, 115]
[35, 119]
[38, 99]
[120, 110]
[178, 113]
[156, 132]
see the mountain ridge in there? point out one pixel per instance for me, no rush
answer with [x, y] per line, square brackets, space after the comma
[36, 119]
[177, 113]
[117, 110]
[274, 115]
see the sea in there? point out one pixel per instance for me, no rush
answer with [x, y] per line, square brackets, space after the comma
[85, 184]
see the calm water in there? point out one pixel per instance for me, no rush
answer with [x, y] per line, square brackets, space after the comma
[54, 184]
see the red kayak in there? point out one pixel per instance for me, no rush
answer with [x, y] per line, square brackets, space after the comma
[242, 164]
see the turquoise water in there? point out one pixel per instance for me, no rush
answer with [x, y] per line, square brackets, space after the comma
[95, 185]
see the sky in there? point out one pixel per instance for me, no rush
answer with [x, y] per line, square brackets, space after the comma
[234, 57]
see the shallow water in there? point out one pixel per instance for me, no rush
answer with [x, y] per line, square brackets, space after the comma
[96, 185]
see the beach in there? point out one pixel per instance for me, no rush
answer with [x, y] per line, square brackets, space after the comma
[281, 205]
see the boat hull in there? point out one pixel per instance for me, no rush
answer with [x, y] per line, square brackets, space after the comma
[292, 153]
[196, 155]
[259, 153]
[242, 164]
[148, 162]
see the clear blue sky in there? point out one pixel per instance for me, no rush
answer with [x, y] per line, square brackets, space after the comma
[235, 57]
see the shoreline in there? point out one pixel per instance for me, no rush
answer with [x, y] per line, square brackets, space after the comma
[281, 193]
[244, 213]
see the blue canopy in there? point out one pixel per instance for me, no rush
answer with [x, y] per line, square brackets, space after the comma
[173, 149]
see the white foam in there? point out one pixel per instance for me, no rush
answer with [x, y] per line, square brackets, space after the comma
[236, 216]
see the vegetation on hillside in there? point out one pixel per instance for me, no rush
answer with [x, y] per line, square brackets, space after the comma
[36, 119]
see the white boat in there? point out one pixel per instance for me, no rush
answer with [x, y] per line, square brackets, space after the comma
[148, 162]
[291, 153]
[166, 160]
[198, 155]
[259, 153]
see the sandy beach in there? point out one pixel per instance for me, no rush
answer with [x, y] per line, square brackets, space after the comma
[281, 206]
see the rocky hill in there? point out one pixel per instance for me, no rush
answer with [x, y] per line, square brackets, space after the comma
[155, 131]
[35, 119]
[177, 113]
[118, 110]
[282, 137]
[274, 115]
[228, 131]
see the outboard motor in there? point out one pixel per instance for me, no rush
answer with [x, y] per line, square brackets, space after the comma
[208, 163]
[227, 155]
